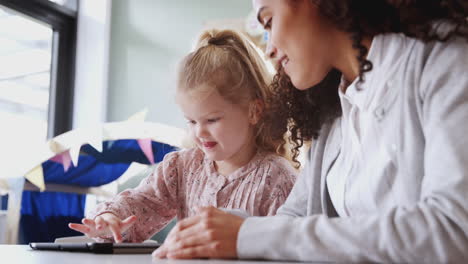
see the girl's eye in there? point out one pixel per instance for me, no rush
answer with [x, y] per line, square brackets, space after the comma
[191, 122]
[213, 120]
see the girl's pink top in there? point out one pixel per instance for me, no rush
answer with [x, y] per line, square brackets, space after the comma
[186, 180]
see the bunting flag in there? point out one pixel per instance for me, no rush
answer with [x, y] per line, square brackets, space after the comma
[75, 154]
[66, 148]
[145, 145]
[63, 158]
[140, 116]
[36, 177]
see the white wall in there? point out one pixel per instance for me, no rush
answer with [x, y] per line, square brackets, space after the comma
[92, 61]
[148, 38]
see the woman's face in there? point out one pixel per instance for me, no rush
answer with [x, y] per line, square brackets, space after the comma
[300, 39]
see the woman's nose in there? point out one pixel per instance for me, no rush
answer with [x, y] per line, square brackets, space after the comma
[271, 50]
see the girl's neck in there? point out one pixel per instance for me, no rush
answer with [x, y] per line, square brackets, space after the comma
[238, 160]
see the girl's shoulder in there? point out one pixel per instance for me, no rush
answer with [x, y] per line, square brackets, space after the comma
[186, 157]
[276, 163]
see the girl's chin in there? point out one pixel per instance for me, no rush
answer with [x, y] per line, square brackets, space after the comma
[211, 154]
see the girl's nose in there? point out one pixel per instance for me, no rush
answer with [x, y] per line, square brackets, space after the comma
[200, 131]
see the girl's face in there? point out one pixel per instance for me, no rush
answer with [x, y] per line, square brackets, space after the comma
[300, 39]
[222, 130]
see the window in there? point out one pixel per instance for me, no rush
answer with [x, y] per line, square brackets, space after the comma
[37, 58]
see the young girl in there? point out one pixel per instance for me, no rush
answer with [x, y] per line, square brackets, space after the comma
[222, 90]
[387, 178]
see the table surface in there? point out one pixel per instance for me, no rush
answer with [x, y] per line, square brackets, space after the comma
[24, 254]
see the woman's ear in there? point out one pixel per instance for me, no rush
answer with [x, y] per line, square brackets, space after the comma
[255, 111]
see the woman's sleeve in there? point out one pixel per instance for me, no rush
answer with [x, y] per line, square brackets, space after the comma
[433, 230]
[154, 201]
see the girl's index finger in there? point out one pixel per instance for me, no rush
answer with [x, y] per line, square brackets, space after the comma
[88, 222]
[80, 228]
[129, 220]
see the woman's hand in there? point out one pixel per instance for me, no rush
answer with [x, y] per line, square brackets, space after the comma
[105, 225]
[211, 233]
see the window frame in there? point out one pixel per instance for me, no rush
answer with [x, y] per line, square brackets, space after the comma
[63, 22]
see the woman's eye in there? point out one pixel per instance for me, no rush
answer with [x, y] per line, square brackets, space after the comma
[212, 120]
[268, 24]
[191, 122]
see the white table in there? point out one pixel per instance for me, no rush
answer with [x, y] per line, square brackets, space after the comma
[23, 254]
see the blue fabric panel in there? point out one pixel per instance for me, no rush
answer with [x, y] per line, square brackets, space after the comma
[127, 151]
[3, 202]
[45, 216]
[90, 172]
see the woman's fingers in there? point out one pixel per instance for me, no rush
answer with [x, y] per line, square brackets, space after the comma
[160, 253]
[191, 225]
[212, 233]
[188, 222]
[190, 237]
[203, 231]
[208, 251]
[184, 234]
[174, 234]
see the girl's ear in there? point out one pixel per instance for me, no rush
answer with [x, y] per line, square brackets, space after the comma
[255, 111]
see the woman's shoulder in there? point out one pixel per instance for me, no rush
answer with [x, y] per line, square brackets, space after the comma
[450, 51]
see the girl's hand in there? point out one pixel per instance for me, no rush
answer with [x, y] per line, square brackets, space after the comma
[104, 225]
[211, 233]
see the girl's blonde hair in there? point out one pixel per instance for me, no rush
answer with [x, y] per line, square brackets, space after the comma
[226, 62]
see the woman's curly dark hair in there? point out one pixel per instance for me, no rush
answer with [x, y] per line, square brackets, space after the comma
[306, 111]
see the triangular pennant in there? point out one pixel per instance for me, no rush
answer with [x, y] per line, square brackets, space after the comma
[55, 146]
[95, 139]
[145, 145]
[64, 159]
[75, 154]
[96, 144]
[36, 177]
[140, 116]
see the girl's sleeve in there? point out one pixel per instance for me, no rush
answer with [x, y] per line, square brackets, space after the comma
[153, 202]
[433, 230]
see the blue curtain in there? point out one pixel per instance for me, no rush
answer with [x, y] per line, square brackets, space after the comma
[45, 216]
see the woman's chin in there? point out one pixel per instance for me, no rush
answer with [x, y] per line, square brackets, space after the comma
[301, 85]
[305, 83]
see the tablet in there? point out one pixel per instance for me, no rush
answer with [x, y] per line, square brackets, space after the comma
[99, 248]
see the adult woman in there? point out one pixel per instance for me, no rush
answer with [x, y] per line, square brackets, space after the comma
[388, 172]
